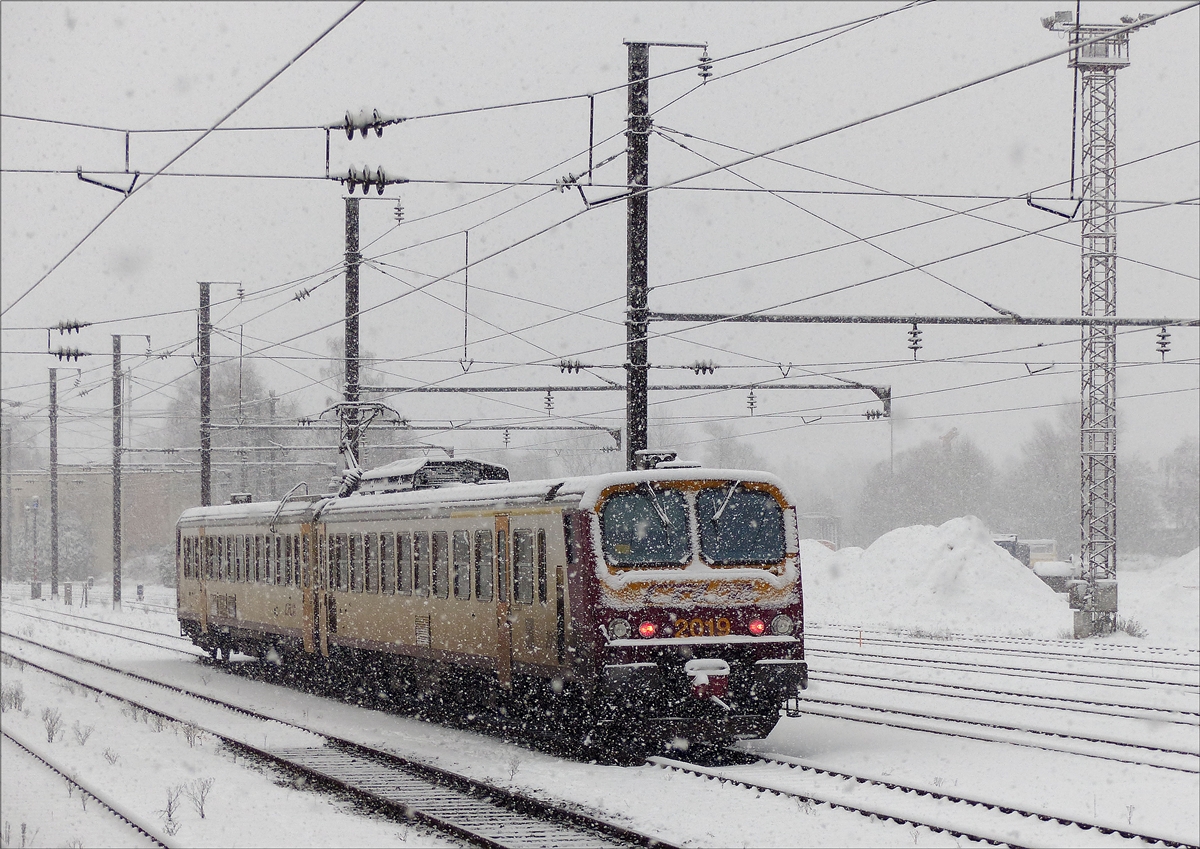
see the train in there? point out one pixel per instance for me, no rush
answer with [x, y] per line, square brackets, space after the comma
[662, 604]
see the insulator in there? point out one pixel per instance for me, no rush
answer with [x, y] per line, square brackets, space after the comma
[70, 326]
[914, 340]
[378, 123]
[1164, 343]
[548, 402]
[301, 295]
[380, 181]
[363, 130]
[751, 402]
[349, 127]
[705, 66]
[399, 211]
[506, 437]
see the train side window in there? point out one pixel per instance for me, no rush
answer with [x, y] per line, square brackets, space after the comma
[304, 558]
[356, 570]
[222, 544]
[462, 564]
[255, 563]
[569, 537]
[208, 558]
[502, 564]
[340, 562]
[404, 572]
[297, 541]
[268, 567]
[247, 553]
[441, 564]
[183, 551]
[285, 573]
[523, 566]
[238, 543]
[387, 564]
[541, 565]
[483, 565]
[421, 564]
[371, 563]
[281, 543]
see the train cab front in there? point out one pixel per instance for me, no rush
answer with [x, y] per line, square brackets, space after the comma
[713, 675]
[700, 618]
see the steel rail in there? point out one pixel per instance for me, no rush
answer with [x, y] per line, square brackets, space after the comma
[147, 831]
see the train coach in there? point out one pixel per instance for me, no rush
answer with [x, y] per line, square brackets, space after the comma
[663, 604]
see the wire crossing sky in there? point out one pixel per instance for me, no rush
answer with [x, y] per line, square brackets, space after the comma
[842, 158]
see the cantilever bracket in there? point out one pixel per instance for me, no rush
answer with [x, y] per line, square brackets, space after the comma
[126, 192]
[1079, 203]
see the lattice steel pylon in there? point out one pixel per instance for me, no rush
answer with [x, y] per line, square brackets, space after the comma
[1104, 49]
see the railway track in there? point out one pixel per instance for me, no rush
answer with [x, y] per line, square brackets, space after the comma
[1176, 716]
[132, 821]
[1033, 646]
[961, 817]
[1180, 663]
[467, 808]
[1047, 737]
[174, 642]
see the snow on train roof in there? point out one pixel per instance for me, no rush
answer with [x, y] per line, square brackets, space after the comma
[582, 492]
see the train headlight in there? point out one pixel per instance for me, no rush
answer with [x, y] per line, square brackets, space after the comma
[619, 629]
[647, 629]
[756, 627]
[782, 624]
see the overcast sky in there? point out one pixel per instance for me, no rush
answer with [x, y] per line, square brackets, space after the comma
[547, 279]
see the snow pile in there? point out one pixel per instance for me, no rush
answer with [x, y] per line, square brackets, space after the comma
[1165, 601]
[949, 578]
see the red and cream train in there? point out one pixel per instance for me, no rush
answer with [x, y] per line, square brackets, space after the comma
[664, 602]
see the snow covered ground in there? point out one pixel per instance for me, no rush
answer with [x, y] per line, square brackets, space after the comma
[937, 580]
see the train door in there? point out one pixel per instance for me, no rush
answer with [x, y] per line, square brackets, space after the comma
[321, 599]
[532, 612]
[307, 596]
[202, 563]
[503, 622]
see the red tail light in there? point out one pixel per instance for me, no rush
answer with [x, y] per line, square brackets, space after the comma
[647, 629]
[757, 626]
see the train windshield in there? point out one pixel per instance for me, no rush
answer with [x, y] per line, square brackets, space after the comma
[739, 526]
[646, 527]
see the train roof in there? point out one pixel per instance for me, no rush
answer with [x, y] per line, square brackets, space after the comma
[579, 492]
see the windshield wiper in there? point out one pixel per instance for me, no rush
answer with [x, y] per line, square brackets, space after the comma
[662, 514]
[725, 503]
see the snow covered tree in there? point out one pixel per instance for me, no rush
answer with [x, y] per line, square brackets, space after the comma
[936, 481]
